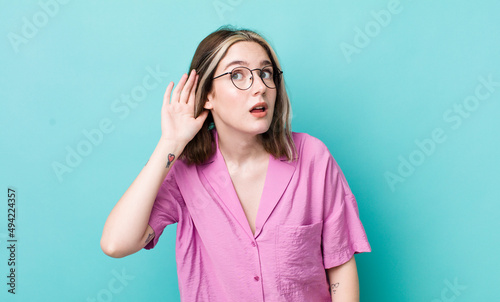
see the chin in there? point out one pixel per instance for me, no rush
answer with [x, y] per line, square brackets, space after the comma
[262, 130]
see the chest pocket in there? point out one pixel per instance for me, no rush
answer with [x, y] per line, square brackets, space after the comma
[299, 258]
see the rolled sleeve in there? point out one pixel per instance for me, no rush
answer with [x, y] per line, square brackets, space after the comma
[167, 208]
[343, 233]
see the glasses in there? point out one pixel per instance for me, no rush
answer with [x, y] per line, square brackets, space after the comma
[242, 77]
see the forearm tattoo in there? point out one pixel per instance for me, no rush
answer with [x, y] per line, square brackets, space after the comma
[150, 236]
[171, 158]
[334, 287]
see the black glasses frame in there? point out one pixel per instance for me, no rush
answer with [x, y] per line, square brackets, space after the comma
[276, 76]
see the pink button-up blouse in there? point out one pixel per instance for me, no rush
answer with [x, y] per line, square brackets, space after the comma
[307, 221]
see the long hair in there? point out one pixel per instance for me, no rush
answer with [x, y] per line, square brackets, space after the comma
[277, 140]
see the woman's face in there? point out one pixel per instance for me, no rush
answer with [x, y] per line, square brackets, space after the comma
[232, 108]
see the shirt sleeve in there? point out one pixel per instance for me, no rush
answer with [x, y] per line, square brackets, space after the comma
[343, 232]
[167, 208]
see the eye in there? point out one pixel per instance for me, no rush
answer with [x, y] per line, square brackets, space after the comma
[267, 73]
[237, 75]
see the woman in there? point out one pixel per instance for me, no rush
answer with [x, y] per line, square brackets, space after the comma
[263, 214]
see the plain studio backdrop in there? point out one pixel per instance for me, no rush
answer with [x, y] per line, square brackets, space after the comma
[405, 94]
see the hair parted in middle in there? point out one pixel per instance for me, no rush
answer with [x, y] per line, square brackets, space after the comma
[278, 139]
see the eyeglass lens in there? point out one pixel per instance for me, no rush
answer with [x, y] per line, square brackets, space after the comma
[242, 77]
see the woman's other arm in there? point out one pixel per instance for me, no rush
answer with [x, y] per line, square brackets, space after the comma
[344, 283]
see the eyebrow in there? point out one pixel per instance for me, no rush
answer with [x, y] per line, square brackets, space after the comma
[239, 62]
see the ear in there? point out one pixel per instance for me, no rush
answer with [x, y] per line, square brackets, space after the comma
[208, 103]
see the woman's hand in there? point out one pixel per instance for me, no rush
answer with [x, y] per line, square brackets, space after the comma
[178, 123]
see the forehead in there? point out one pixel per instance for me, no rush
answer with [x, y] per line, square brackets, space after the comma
[245, 53]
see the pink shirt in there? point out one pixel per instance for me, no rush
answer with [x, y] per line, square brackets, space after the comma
[307, 222]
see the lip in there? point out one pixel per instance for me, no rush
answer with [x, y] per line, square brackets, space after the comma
[261, 104]
[260, 114]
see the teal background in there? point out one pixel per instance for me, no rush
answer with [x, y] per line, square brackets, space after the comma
[438, 226]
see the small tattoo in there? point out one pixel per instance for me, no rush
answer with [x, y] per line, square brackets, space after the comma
[171, 158]
[150, 236]
[335, 286]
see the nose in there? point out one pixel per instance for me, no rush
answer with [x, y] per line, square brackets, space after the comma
[258, 85]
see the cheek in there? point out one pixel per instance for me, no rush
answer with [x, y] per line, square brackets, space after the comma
[226, 103]
[224, 94]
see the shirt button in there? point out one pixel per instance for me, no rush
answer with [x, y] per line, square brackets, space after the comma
[256, 278]
[253, 244]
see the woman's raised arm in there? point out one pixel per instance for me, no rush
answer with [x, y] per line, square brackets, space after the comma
[126, 230]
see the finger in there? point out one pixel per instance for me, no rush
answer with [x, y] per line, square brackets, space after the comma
[166, 96]
[187, 88]
[192, 95]
[202, 116]
[177, 90]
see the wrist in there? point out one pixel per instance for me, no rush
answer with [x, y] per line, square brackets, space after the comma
[170, 146]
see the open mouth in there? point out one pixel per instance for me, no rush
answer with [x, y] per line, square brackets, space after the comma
[259, 108]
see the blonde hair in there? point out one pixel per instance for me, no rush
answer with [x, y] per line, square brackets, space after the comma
[278, 139]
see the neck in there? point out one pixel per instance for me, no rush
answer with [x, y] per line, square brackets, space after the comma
[239, 149]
